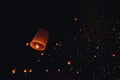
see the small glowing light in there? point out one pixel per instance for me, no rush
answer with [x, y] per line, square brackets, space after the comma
[113, 55]
[46, 70]
[94, 56]
[75, 19]
[37, 46]
[57, 44]
[14, 70]
[60, 44]
[39, 41]
[58, 70]
[42, 54]
[25, 70]
[69, 62]
[77, 72]
[27, 44]
[30, 70]
[97, 47]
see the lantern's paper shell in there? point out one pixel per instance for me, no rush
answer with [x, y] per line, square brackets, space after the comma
[40, 40]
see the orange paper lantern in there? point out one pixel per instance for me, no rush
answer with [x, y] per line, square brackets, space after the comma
[40, 40]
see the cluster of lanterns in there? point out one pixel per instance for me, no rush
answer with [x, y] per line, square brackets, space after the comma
[14, 70]
[39, 41]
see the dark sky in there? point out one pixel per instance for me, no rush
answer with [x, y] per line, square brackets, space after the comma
[51, 14]
[21, 20]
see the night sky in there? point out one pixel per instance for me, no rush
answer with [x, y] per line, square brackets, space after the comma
[83, 44]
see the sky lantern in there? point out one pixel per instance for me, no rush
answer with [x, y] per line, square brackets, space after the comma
[14, 70]
[75, 19]
[25, 70]
[69, 62]
[30, 70]
[40, 40]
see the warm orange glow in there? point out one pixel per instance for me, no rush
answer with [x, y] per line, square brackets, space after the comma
[30, 70]
[69, 62]
[14, 70]
[113, 55]
[25, 70]
[40, 40]
[37, 46]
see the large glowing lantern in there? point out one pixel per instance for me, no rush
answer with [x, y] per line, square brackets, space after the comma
[40, 40]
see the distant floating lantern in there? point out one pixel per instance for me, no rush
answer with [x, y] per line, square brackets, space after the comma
[42, 54]
[25, 70]
[14, 70]
[75, 19]
[30, 70]
[27, 44]
[69, 62]
[94, 56]
[58, 70]
[40, 40]
[113, 55]
[46, 70]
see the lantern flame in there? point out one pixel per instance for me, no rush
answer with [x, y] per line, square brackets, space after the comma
[37, 46]
[40, 40]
